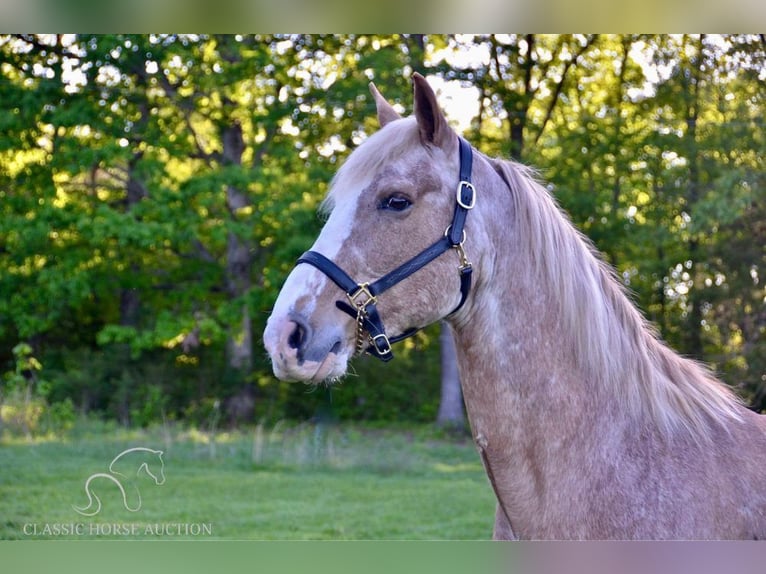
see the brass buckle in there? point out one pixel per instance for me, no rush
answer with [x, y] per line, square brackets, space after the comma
[362, 297]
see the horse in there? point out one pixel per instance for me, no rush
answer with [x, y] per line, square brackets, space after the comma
[126, 465]
[587, 424]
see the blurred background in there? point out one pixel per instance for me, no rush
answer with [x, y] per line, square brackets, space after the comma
[155, 190]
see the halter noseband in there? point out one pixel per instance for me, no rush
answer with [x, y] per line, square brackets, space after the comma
[363, 297]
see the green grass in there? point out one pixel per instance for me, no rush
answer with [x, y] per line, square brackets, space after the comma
[304, 482]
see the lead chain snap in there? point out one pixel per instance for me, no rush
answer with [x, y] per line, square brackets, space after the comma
[464, 262]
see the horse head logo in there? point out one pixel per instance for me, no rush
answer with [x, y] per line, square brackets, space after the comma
[125, 470]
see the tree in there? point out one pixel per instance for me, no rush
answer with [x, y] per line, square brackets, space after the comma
[156, 189]
[451, 412]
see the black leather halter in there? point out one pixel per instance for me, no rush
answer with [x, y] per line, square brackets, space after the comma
[363, 297]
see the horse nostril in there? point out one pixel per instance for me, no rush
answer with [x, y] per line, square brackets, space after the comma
[297, 337]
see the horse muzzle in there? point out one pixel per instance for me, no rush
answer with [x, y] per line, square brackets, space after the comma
[301, 353]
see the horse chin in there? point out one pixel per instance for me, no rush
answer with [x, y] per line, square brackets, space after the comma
[327, 371]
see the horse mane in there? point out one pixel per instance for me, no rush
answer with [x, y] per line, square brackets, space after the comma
[612, 338]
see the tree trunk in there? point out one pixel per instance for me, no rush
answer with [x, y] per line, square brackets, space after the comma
[239, 346]
[135, 192]
[518, 109]
[694, 346]
[451, 413]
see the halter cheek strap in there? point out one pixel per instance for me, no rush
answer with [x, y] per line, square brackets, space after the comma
[363, 297]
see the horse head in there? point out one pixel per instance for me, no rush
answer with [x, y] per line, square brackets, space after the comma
[386, 243]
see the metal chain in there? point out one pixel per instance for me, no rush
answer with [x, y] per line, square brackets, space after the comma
[360, 314]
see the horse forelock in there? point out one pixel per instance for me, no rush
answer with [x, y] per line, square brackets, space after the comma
[389, 143]
[614, 343]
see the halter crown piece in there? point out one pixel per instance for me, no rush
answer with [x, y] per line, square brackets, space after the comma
[362, 298]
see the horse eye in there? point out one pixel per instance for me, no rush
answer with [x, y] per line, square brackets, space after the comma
[395, 203]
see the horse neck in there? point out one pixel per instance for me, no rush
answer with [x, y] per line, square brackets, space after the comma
[524, 378]
[538, 411]
[519, 368]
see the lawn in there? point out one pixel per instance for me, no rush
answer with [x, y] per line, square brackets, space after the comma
[282, 482]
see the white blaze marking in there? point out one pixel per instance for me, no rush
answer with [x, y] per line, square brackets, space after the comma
[308, 280]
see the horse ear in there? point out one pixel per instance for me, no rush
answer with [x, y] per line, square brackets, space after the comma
[431, 121]
[386, 112]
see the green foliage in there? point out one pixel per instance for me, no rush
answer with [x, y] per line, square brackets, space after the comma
[156, 188]
[24, 407]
